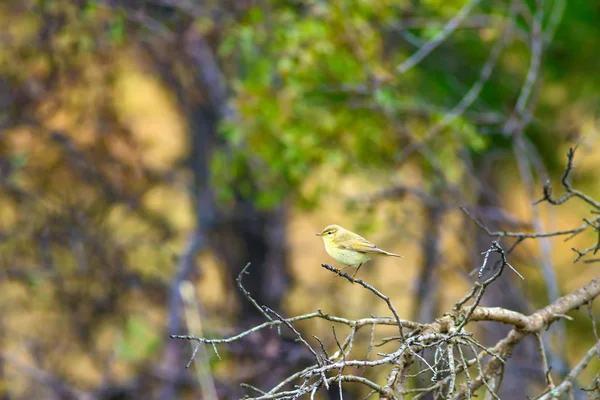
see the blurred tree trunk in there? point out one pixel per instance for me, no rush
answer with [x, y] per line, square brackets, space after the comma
[241, 233]
[525, 368]
[426, 305]
[238, 234]
[427, 300]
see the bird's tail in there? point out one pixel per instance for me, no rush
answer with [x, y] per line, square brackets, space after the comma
[387, 253]
[394, 255]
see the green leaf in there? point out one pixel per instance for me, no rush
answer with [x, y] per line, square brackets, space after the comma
[19, 160]
[386, 98]
[117, 29]
[139, 341]
[90, 9]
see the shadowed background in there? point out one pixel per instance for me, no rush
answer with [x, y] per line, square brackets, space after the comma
[144, 144]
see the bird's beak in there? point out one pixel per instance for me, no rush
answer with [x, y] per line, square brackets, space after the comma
[318, 234]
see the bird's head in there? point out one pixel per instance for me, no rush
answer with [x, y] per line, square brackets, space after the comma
[329, 233]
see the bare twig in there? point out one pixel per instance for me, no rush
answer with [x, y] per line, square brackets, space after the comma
[439, 38]
[536, 323]
[450, 351]
[473, 93]
[372, 289]
[524, 235]
[545, 367]
[567, 383]
[522, 115]
[246, 294]
[479, 289]
[568, 187]
[444, 337]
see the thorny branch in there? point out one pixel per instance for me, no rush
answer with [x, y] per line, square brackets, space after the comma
[593, 223]
[453, 374]
[446, 336]
[567, 383]
[571, 192]
[372, 289]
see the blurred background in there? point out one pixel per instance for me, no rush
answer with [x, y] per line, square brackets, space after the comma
[145, 144]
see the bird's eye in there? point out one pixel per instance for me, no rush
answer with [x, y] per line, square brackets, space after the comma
[329, 233]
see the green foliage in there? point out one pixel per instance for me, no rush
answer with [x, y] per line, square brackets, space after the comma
[90, 9]
[317, 89]
[139, 342]
[19, 160]
[293, 117]
[117, 29]
[316, 86]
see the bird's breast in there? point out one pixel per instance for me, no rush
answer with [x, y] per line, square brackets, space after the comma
[347, 256]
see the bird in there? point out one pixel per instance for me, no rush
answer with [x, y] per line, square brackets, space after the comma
[350, 249]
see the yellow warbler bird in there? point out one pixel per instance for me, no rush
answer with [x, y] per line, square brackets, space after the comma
[349, 248]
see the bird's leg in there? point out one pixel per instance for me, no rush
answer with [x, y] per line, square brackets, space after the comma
[355, 272]
[341, 270]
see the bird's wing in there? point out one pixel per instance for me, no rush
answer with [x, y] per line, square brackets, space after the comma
[360, 244]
